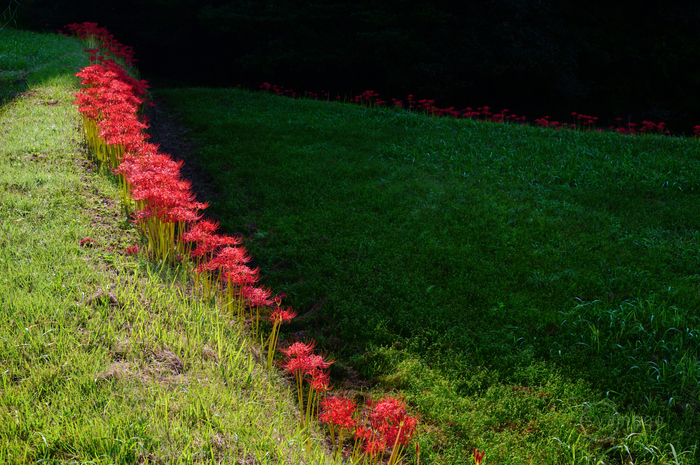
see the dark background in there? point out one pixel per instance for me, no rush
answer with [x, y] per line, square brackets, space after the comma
[636, 60]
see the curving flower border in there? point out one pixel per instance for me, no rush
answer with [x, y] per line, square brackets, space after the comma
[160, 201]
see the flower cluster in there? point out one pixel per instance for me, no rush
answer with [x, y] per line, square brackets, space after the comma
[162, 204]
[647, 127]
[159, 199]
[581, 122]
[368, 98]
[266, 87]
[308, 369]
[102, 43]
[387, 428]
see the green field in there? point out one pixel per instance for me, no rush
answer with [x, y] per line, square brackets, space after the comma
[533, 293]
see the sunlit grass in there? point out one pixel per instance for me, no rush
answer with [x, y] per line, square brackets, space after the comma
[104, 357]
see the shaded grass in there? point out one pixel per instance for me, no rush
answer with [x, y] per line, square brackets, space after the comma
[106, 358]
[28, 59]
[493, 273]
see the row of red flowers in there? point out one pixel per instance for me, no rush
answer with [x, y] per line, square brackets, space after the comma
[163, 206]
[579, 121]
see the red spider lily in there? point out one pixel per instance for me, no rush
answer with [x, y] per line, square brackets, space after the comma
[389, 425]
[299, 349]
[390, 417]
[278, 316]
[581, 121]
[100, 36]
[305, 365]
[372, 443]
[228, 267]
[132, 250]
[319, 383]
[165, 208]
[278, 299]
[201, 235]
[478, 456]
[257, 298]
[313, 362]
[338, 412]
[86, 242]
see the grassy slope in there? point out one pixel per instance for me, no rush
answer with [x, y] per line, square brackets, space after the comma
[534, 293]
[104, 359]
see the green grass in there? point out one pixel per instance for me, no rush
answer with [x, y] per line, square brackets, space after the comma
[533, 293]
[106, 358]
[28, 59]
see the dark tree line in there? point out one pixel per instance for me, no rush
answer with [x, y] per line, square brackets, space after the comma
[534, 56]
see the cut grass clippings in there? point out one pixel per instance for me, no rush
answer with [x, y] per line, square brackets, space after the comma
[532, 292]
[106, 358]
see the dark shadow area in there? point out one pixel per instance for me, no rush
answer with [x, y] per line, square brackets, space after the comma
[630, 60]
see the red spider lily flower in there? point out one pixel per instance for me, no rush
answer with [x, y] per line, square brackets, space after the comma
[478, 456]
[389, 416]
[278, 299]
[389, 425]
[257, 296]
[132, 250]
[294, 365]
[313, 362]
[280, 316]
[87, 242]
[228, 258]
[338, 411]
[241, 276]
[319, 381]
[299, 349]
[372, 442]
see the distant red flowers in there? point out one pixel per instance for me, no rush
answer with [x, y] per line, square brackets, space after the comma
[581, 122]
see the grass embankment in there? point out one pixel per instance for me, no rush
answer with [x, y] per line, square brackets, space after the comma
[105, 358]
[533, 293]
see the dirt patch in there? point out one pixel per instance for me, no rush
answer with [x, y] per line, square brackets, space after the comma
[102, 297]
[162, 367]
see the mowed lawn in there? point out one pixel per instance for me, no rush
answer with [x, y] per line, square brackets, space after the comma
[532, 292]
